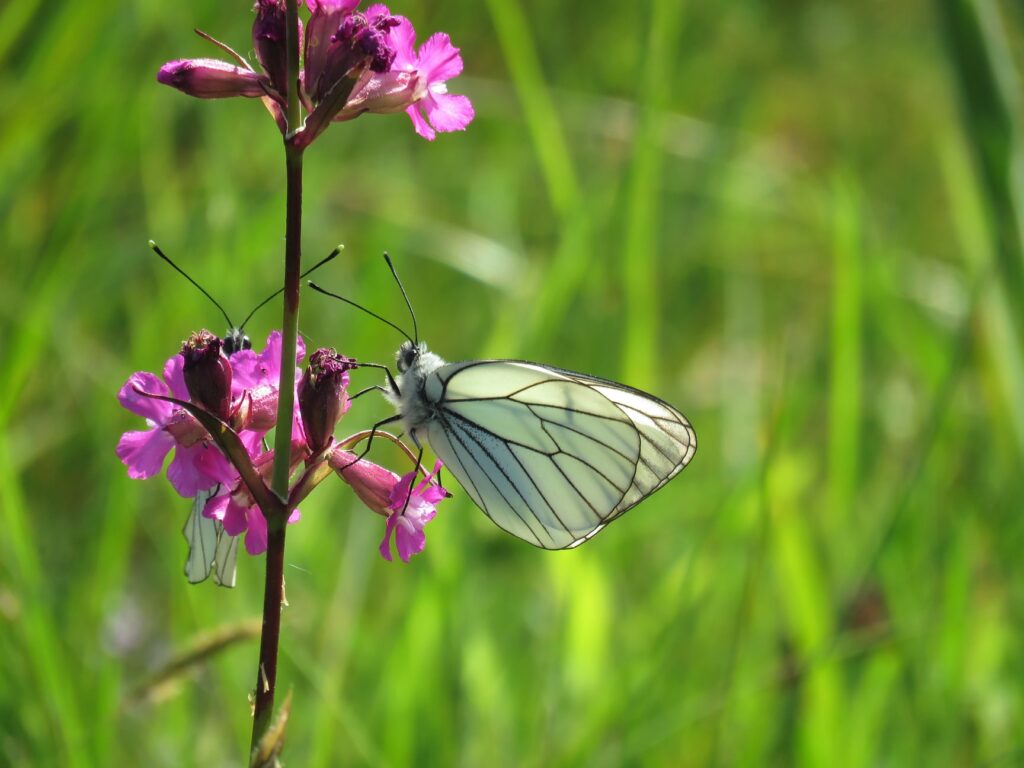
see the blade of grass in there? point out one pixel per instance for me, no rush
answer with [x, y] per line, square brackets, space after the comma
[803, 593]
[644, 195]
[990, 96]
[844, 404]
[545, 298]
[542, 120]
[1002, 352]
[54, 681]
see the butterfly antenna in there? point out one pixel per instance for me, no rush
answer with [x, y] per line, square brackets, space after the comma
[183, 273]
[325, 292]
[309, 271]
[394, 274]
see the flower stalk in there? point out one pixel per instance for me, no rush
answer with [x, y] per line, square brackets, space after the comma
[218, 398]
[273, 589]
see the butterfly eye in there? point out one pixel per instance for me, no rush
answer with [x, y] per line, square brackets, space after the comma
[407, 354]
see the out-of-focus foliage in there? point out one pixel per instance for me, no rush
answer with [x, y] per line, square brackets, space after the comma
[798, 221]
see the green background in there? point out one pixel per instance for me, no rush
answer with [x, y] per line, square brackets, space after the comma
[798, 221]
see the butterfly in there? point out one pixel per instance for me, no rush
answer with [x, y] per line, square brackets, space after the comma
[549, 455]
[210, 548]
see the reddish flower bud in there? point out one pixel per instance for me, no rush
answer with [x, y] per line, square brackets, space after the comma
[361, 43]
[262, 414]
[373, 484]
[207, 373]
[269, 36]
[211, 79]
[322, 396]
[326, 18]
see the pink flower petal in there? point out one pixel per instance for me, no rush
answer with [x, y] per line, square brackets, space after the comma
[270, 357]
[403, 39]
[234, 519]
[448, 112]
[245, 371]
[439, 60]
[217, 508]
[265, 368]
[385, 544]
[421, 126]
[174, 375]
[409, 540]
[144, 452]
[211, 463]
[256, 535]
[183, 474]
[375, 11]
[400, 491]
[157, 411]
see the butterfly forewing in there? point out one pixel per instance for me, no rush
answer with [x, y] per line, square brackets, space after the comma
[549, 455]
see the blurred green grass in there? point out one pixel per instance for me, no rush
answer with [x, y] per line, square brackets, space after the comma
[799, 222]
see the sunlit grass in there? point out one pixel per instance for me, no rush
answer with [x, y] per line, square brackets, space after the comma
[798, 223]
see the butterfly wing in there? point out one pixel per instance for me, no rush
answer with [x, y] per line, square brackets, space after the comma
[210, 548]
[225, 558]
[201, 534]
[552, 456]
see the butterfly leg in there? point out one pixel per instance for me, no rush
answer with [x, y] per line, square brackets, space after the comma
[369, 440]
[419, 458]
[387, 372]
[374, 388]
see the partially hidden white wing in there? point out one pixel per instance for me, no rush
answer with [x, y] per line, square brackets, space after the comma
[552, 456]
[225, 558]
[201, 534]
[210, 548]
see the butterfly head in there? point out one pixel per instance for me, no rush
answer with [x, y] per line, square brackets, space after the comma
[236, 340]
[408, 354]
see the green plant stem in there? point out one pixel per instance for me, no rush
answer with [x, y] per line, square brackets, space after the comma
[273, 590]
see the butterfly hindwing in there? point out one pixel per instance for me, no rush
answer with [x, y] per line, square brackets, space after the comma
[552, 456]
[201, 534]
[210, 548]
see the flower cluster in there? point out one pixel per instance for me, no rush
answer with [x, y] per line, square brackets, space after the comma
[353, 62]
[240, 393]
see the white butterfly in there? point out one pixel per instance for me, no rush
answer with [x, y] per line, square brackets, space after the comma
[549, 455]
[210, 548]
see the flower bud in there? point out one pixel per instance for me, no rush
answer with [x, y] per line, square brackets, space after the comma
[211, 79]
[207, 373]
[382, 94]
[372, 483]
[262, 414]
[360, 43]
[269, 37]
[322, 396]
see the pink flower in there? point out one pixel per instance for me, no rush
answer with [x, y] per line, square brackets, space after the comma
[197, 464]
[251, 370]
[416, 82]
[257, 376]
[410, 513]
[237, 510]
